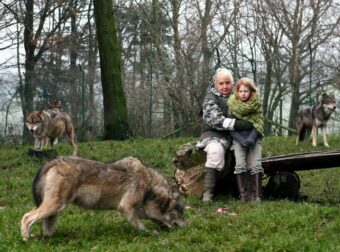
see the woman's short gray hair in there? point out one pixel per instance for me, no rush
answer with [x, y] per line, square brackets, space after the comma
[225, 72]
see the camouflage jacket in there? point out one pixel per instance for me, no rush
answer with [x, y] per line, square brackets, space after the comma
[215, 110]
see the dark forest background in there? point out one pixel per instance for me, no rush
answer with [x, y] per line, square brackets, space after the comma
[168, 51]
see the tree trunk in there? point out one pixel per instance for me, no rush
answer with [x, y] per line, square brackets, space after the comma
[115, 107]
[91, 72]
[294, 73]
[27, 92]
[74, 81]
[207, 54]
[267, 86]
[179, 81]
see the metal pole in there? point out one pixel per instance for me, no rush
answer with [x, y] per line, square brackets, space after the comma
[82, 101]
[310, 74]
[150, 98]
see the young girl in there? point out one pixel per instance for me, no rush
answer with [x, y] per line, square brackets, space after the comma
[245, 104]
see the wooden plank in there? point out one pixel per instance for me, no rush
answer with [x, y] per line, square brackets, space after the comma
[301, 161]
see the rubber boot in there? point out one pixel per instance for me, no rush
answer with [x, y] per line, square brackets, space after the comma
[257, 186]
[241, 186]
[209, 184]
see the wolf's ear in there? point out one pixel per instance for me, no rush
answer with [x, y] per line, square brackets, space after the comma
[28, 113]
[40, 113]
[58, 103]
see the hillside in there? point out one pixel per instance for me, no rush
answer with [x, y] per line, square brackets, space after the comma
[280, 225]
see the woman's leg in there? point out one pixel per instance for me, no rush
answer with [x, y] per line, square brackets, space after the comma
[214, 163]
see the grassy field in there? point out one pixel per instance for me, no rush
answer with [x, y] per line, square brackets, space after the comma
[282, 225]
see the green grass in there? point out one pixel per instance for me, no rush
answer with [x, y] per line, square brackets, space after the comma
[282, 225]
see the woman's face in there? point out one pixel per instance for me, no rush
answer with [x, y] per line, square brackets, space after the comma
[244, 93]
[223, 84]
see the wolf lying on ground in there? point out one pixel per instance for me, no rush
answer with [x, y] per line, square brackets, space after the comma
[46, 129]
[138, 192]
[311, 118]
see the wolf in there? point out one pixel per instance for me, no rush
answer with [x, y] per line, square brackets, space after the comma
[46, 128]
[54, 107]
[312, 118]
[135, 190]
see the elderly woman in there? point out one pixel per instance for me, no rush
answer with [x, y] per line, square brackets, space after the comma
[215, 137]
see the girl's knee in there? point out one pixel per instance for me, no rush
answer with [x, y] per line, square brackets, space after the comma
[239, 170]
[256, 169]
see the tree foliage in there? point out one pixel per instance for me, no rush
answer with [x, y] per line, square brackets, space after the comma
[168, 50]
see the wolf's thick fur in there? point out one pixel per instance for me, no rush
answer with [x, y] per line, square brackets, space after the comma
[46, 128]
[312, 118]
[138, 192]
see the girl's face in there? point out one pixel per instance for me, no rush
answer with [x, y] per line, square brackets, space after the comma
[244, 93]
[223, 84]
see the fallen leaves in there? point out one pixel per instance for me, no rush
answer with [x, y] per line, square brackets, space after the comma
[224, 210]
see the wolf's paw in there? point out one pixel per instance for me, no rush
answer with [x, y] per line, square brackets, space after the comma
[25, 238]
[24, 233]
[155, 232]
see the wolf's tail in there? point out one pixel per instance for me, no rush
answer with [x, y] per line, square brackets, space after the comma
[303, 134]
[36, 188]
[300, 127]
[71, 136]
[69, 129]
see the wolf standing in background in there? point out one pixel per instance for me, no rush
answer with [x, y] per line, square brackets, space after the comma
[135, 190]
[311, 118]
[46, 128]
[54, 107]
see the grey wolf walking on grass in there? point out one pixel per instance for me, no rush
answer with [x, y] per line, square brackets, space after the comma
[46, 128]
[312, 118]
[136, 191]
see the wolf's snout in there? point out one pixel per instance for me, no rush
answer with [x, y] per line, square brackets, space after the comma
[332, 108]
